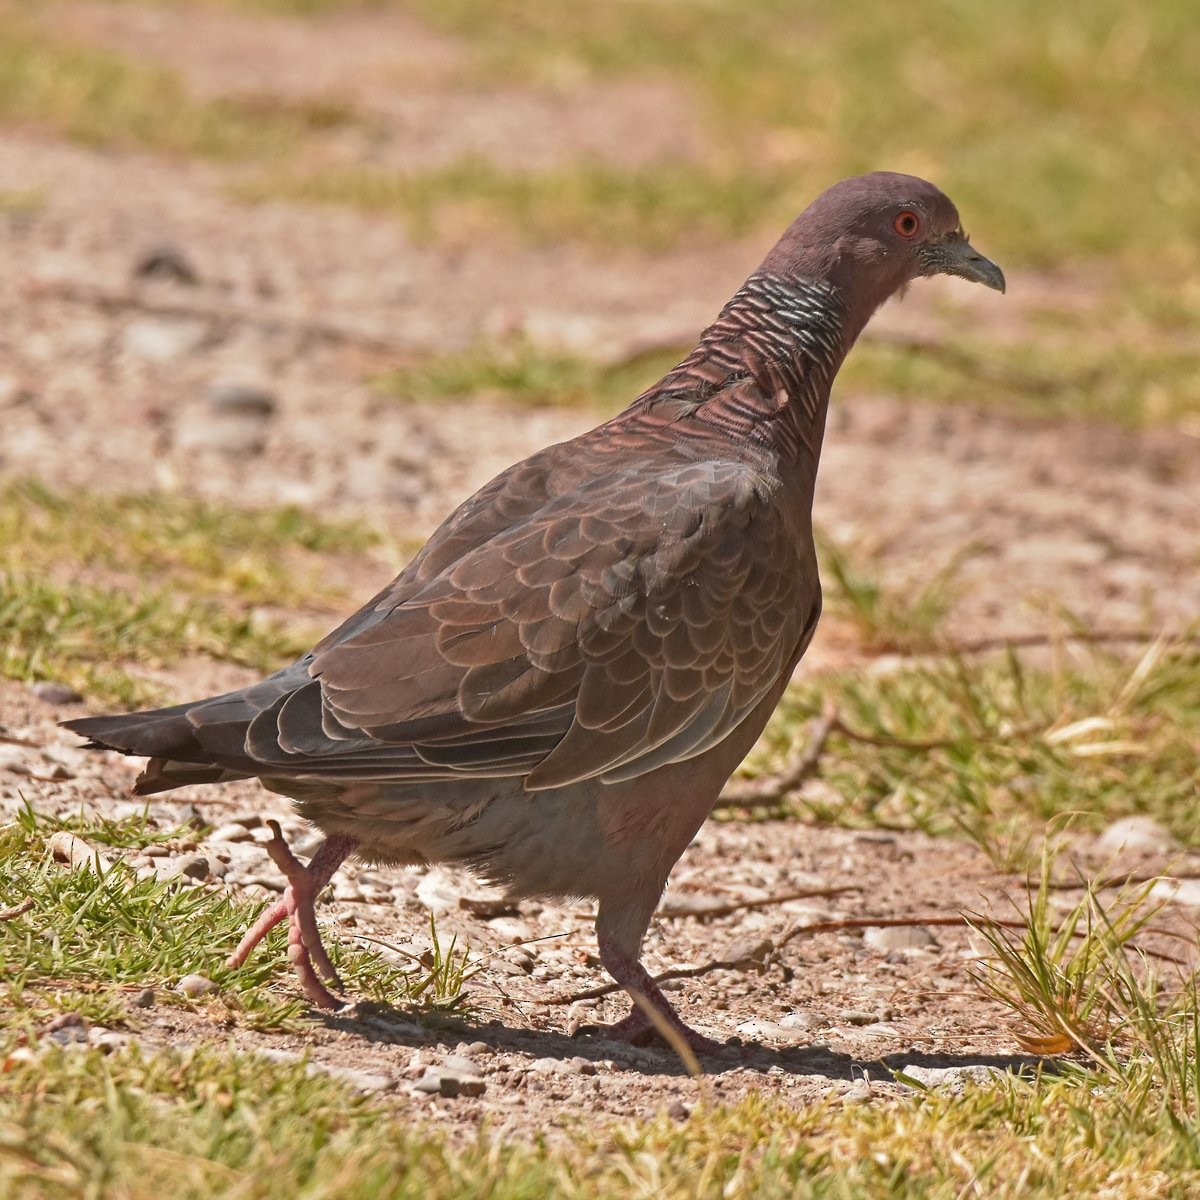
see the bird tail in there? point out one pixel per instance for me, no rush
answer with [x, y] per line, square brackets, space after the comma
[163, 735]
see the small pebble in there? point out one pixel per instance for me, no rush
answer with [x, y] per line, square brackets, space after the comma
[954, 1078]
[165, 261]
[886, 938]
[859, 1092]
[1136, 833]
[235, 831]
[362, 1081]
[50, 692]
[519, 957]
[1180, 891]
[108, 1040]
[749, 952]
[437, 1081]
[189, 866]
[71, 849]
[196, 985]
[161, 340]
[678, 1111]
[143, 999]
[233, 397]
[858, 1016]
[250, 820]
[459, 1065]
[13, 760]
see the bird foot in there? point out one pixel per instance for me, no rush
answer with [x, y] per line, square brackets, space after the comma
[306, 952]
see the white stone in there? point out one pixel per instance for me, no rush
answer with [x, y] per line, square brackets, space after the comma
[1136, 833]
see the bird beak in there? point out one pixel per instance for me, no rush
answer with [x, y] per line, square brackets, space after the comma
[956, 256]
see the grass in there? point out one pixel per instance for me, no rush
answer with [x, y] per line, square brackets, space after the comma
[887, 615]
[992, 748]
[74, 604]
[651, 209]
[1077, 370]
[1110, 369]
[1072, 979]
[92, 939]
[103, 99]
[1065, 131]
[1060, 143]
[522, 374]
[202, 1121]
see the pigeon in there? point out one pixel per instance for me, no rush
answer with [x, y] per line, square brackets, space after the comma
[554, 690]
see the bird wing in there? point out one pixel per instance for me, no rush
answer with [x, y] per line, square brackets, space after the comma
[626, 622]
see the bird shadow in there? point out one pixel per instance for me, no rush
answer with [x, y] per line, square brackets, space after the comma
[383, 1024]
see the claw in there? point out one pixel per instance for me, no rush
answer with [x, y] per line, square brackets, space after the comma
[305, 949]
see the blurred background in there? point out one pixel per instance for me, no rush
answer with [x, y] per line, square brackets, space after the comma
[284, 280]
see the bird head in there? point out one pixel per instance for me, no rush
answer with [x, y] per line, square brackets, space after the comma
[872, 235]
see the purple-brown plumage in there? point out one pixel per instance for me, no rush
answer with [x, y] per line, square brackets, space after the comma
[556, 688]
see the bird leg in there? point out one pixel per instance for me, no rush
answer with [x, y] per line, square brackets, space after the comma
[639, 1027]
[304, 884]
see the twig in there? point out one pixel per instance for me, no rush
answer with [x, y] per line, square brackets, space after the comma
[770, 789]
[810, 927]
[726, 909]
[224, 314]
[872, 739]
[11, 914]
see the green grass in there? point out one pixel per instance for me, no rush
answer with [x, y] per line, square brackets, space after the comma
[886, 614]
[202, 1122]
[103, 99]
[995, 748]
[211, 1120]
[650, 209]
[1109, 369]
[522, 374]
[75, 605]
[1062, 133]
[90, 940]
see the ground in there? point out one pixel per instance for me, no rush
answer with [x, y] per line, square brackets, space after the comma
[380, 370]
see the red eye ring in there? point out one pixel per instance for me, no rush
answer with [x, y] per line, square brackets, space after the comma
[906, 223]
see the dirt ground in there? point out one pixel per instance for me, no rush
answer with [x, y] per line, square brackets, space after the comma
[102, 384]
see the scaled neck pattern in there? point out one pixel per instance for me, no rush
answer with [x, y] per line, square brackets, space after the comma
[763, 369]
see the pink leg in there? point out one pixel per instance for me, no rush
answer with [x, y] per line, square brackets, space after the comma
[305, 950]
[638, 1027]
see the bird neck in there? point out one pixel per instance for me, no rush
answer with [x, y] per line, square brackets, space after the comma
[762, 371]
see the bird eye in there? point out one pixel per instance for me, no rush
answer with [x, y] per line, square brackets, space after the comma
[906, 224]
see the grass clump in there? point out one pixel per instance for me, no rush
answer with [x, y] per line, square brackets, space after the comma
[90, 636]
[92, 936]
[1077, 981]
[648, 209]
[1109, 370]
[988, 746]
[74, 605]
[521, 373]
[261, 556]
[887, 615]
[102, 99]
